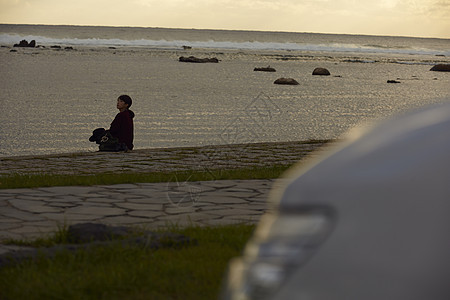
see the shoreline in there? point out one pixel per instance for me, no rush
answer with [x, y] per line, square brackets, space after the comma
[210, 157]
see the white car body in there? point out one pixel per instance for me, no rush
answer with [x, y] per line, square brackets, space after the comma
[379, 221]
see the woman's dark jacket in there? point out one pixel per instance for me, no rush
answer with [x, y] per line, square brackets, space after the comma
[122, 128]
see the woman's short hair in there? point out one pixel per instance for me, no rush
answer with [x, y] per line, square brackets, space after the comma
[126, 99]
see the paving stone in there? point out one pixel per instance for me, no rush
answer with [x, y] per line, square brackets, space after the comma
[149, 187]
[9, 220]
[92, 195]
[151, 193]
[124, 220]
[65, 198]
[211, 198]
[161, 199]
[63, 204]
[235, 212]
[258, 206]
[10, 212]
[176, 210]
[95, 210]
[16, 191]
[140, 206]
[219, 184]
[33, 206]
[32, 197]
[117, 194]
[103, 200]
[8, 226]
[145, 213]
[125, 186]
[67, 190]
[80, 218]
[209, 207]
[61, 218]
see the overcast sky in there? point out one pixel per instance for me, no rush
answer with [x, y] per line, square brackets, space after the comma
[422, 18]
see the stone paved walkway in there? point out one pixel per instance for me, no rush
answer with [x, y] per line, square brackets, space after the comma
[163, 159]
[31, 213]
[28, 213]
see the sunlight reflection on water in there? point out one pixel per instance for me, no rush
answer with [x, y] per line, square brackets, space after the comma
[53, 102]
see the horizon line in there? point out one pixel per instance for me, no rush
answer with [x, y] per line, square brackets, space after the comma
[223, 29]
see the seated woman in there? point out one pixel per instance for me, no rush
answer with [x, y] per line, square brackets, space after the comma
[122, 126]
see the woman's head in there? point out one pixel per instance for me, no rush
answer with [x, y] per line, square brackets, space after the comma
[126, 99]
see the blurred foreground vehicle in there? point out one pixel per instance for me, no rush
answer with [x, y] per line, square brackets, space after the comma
[370, 220]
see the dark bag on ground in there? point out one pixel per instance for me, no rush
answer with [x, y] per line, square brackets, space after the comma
[106, 141]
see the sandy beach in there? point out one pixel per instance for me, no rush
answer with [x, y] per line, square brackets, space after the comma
[53, 98]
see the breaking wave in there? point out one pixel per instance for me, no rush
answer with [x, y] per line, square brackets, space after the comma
[10, 39]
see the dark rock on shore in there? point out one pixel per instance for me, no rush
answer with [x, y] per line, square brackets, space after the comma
[441, 68]
[88, 232]
[187, 47]
[265, 69]
[194, 59]
[287, 81]
[24, 43]
[393, 81]
[55, 47]
[321, 72]
[89, 235]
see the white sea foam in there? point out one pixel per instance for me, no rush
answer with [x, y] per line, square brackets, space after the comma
[9, 39]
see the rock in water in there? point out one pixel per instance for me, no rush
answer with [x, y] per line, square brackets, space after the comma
[321, 71]
[441, 68]
[194, 59]
[265, 69]
[288, 81]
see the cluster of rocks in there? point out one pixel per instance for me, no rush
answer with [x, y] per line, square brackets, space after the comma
[24, 43]
[32, 44]
[292, 81]
[89, 235]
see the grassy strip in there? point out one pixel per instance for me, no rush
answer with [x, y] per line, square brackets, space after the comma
[117, 272]
[46, 180]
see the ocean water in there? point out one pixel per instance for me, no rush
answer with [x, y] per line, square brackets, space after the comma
[52, 99]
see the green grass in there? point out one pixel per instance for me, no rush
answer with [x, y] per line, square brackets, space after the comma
[117, 272]
[46, 180]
